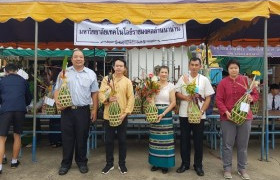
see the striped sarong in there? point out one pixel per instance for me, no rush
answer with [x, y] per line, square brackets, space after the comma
[161, 142]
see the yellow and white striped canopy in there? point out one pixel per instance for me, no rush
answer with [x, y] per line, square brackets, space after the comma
[137, 11]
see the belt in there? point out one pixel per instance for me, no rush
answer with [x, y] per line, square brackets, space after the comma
[162, 105]
[79, 107]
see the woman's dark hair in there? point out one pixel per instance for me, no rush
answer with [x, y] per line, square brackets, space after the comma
[11, 68]
[164, 67]
[121, 61]
[233, 61]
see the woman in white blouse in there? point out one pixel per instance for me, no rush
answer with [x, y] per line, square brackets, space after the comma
[161, 141]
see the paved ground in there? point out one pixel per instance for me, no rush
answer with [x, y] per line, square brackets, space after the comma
[46, 167]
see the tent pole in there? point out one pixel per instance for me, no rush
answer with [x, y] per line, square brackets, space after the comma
[35, 93]
[266, 89]
[146, 61]
[265, 142]
[173, 64]
[206, 44]
[182, 60]
[139, 63]
[153, 59]
[104, 68]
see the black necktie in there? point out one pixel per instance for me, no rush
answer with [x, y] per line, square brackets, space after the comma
[273, 103]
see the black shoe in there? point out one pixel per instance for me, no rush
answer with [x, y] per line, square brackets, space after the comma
[182, 168]
[15, 165]
[154, 168]
[164, 170]
[63, 171]
[199, 171]
[107, 169]
[123, 169]
[5, 160]
[83, 169]
[0, 171]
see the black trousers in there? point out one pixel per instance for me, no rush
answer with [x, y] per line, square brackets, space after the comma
[185, 145]
[109, 141]
[74, 131]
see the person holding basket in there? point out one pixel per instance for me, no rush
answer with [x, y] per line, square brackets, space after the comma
[161, 140]
[116, 93]
[233, 98]
[194, 91]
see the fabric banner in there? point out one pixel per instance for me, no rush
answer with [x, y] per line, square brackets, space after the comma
[129, 1]
[247, 64]
[244, 51]
[88, 33]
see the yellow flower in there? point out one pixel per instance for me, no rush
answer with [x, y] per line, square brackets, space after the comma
[256, 73]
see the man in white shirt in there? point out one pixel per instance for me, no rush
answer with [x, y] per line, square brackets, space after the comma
[273, 98]
[205, 90]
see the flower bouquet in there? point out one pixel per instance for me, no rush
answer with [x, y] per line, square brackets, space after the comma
[114, 107]
[241, 107]
[150, 89]
[193, 108]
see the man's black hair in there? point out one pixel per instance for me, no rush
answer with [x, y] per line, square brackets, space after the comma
[11, 68]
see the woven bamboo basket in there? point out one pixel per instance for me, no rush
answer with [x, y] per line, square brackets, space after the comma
[50, 109]
[64, 96]
[151, 113]
[255, 107]
[145, 105]
[194, 115]
[238, 116]
[114, 114]
[58, 111]
[137, 106]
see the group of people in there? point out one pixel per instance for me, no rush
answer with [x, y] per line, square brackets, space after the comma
[83, 86]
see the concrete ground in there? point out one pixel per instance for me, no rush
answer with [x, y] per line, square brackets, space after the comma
[48, 162]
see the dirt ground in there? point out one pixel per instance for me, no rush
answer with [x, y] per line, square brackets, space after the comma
[48, 162]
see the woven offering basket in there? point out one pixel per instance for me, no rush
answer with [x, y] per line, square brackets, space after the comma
[194, 115]
[137, 106]
[151, 113]
[58, 111]
[145, 105]
[114, 114]
[255, 107]
[64, 96]
[238, 116]
[50, 109]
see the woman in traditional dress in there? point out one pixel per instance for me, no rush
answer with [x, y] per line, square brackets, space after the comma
[161, 141]
[229, 91]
